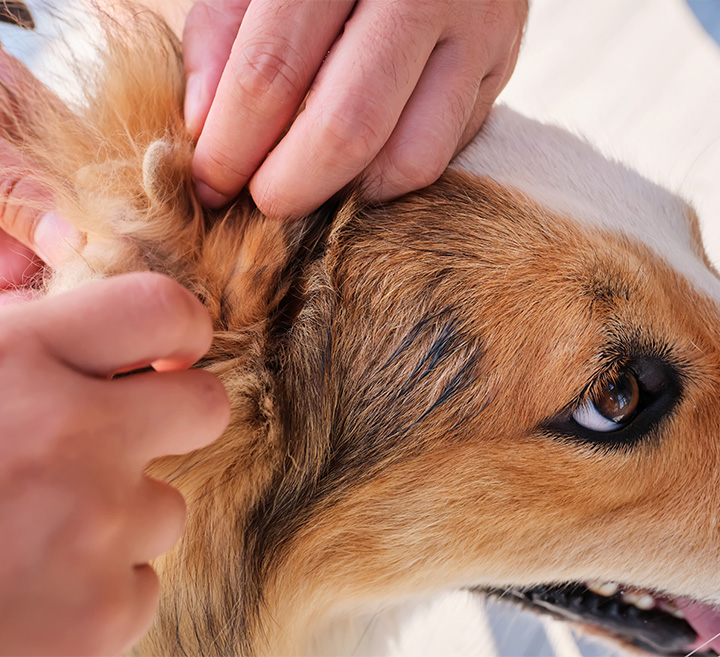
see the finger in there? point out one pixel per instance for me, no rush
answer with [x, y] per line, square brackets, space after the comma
[441, 118]
[25, 209]
[490, 88]
[169, 412]
[430, 128]
[352, 108]
[119, 323]
[15, 297]
[277, 52]
[447, 108]
[157, 518]
[18, 264]
[210, 30]
[508, 33]
[146, 591]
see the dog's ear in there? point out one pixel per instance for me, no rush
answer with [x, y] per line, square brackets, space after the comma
[118, 168]
[133, 110]
[115, 162]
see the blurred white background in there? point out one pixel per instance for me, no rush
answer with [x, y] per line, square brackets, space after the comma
[638, 78]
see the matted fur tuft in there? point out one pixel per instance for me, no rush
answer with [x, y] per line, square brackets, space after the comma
[86, 153]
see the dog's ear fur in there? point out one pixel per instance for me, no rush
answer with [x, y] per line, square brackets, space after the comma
[117, 165]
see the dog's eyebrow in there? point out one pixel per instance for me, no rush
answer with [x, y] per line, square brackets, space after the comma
[17, 13]
[606, 291]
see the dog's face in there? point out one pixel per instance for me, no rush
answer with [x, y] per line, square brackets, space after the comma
[506, 381]
[610, 388]
[525, 400]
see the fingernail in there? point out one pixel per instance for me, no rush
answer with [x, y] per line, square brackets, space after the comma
[55, 238]
[194, 119]
[208, 196]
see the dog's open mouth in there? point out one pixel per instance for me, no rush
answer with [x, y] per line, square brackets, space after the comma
[667, 626]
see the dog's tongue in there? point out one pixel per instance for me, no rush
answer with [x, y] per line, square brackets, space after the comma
[705, 620]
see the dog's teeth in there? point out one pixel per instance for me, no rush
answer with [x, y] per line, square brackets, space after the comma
[642, 601]
[630, 598]
[604, 588]
[669, 607]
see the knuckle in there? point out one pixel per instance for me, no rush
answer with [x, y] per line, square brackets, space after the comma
[175, 508]
[215, 162]
[416, 166]
[171, 512]
[422, 176]
[504, 16]
[98, 523]
[502, 23]
[269, 71]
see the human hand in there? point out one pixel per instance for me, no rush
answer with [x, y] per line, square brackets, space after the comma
[404, 86]
[31, 234]
[79, 520]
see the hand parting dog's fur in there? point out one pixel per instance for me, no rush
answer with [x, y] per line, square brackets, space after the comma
[413, 385]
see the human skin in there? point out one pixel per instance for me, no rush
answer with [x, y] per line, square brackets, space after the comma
[392, 91]
[80, 520]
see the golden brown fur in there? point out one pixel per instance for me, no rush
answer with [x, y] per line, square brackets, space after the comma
[392, 372]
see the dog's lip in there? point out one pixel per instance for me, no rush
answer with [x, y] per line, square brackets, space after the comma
[669, 626]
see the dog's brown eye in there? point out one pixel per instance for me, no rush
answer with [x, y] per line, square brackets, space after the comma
[612, 406]
[618, 399]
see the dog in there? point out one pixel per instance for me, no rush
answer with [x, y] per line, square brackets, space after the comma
[506, 382]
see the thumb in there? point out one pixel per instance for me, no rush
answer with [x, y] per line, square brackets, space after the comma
[26, 209]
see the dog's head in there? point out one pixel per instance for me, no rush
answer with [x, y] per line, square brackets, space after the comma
[507, 381]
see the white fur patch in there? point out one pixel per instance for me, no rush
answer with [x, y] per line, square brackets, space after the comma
[452, 623]
[566, 175]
